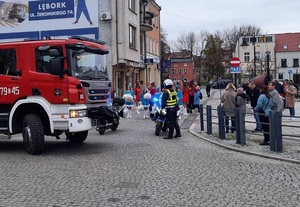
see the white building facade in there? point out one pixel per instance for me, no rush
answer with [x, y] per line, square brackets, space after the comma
[287, 56]
[125, 27]
[253, 52]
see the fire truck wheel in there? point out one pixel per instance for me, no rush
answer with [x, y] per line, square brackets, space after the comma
[33, 134]
[77, 137]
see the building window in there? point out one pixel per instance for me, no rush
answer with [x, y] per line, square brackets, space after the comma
[257, 56]
[283, 63]
[266, 55]
[185, 71]
[246, 57]
[179, 71]
[131, 5]
[132, 37]
[295, 62]
[174, 71]
[269, 39]
[280, 76]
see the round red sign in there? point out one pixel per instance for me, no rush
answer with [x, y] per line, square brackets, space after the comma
[235, 62]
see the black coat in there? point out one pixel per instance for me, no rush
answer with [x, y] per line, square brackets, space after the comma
[254, 94]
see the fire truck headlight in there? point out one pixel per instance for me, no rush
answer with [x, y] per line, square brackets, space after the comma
[77, 113]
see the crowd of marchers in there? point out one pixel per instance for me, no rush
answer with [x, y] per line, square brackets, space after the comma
[176, 97]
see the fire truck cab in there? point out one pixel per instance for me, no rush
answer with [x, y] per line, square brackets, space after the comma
[46, 87]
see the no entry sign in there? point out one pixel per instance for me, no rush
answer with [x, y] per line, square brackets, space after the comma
[235, 62]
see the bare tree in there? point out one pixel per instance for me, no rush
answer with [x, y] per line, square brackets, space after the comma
[187, 42]
[231, 36]
[164, 47]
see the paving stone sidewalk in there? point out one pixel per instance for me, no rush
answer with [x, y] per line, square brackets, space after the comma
[291, 145]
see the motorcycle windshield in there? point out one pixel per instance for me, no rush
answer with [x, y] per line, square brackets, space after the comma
[156, 99]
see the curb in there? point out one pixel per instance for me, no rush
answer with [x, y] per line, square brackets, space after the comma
[241, 150]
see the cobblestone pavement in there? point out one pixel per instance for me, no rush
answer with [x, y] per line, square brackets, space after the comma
[291, 145]
[133, 167]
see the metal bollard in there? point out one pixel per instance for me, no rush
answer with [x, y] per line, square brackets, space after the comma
[240, 126]
[201, 118]
[209, 119]
[221, 117]
[276, 131]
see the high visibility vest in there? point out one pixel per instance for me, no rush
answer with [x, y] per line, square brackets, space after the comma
[172, 100]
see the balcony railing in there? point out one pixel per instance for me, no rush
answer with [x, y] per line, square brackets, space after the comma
[146, 21]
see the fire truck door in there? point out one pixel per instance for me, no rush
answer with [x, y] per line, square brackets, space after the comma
[9, 80]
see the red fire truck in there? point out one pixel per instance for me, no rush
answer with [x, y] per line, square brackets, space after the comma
[47, 86]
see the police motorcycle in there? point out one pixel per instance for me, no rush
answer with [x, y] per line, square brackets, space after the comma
[108, 116]
[158, 115]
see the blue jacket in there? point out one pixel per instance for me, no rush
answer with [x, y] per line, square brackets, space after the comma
[145, 102]
[129, 103]
[263, 103]
[179, 96]
[197, 97]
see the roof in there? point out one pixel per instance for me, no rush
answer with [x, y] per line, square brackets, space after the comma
[287, 42]
[181, 60]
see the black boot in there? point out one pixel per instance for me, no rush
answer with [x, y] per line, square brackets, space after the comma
[171, 131]
[177, 135]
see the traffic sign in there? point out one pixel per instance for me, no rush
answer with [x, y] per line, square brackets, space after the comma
[290, 71]
[235, 62]
[235, 69]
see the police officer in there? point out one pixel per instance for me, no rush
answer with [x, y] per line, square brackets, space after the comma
[169, 103]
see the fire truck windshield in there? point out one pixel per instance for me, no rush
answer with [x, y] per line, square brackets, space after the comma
[90, 66]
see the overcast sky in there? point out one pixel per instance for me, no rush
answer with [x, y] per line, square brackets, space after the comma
[272, 16]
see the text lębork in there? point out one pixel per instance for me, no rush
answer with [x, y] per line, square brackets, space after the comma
[47, 6]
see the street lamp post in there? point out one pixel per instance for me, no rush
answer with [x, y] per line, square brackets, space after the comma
[245, 44]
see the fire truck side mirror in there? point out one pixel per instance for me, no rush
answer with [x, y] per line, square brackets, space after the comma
[56, 66]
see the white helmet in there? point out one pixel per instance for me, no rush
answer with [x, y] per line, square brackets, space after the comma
[168, 82]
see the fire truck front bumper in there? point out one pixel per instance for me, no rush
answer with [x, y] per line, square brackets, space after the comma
[80, 124]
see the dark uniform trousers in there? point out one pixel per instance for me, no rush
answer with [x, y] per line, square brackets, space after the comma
[172, 121]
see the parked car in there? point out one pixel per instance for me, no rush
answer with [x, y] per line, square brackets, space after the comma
[216, 84]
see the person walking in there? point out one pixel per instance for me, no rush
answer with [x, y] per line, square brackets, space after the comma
[152, 90]
[228, 99]
[290, 95]
[263, 107]
[129, 101]
[197, 98]
[169, 103]
[180, 105]
[185, 98]
[253, 96]
[137, 96]
[145, 99]
[192, 90]
[208, 87]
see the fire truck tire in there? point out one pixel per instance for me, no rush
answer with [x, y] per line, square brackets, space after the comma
[33, 134]
[77, 137]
